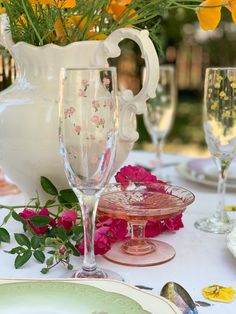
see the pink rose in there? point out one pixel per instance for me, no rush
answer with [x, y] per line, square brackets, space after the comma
[130, 173]
[28, 213]
[67, 219]
[102, 242]
[173, 224]
[118, 228]
[153, 228]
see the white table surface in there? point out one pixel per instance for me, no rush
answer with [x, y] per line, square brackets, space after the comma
[202, 259]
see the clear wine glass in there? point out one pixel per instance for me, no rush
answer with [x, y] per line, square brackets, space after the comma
[219, 122]
[88, 134]
[158, 118]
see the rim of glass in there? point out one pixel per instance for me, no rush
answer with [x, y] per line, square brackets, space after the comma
[221, 68]
[89, 69]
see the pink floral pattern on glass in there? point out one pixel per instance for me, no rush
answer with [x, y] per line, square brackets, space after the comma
[106, 82]
[68, 112]
[95, 105]
[98, 121]
[77, 129]
[72, 152]
[83, 89]
[108, 103]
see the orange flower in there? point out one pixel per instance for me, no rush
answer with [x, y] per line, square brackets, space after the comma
[60, 3]
[231, 5]
[119, 8]
[77, 21]
[209, 12]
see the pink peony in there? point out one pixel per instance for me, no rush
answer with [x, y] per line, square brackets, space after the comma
[28, 213]
[67, 219]
[130, 173]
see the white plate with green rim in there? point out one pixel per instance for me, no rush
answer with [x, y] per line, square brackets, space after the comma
[80, 297]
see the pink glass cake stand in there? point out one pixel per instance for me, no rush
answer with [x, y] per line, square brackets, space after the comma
[137, 204]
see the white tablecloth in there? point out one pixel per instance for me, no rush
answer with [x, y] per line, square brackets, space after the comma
[202, 259]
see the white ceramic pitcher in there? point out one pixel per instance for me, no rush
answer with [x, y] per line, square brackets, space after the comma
[29, 107]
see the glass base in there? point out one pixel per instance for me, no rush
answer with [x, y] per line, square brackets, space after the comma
[98, 274]
[213, 226]
[163, 253]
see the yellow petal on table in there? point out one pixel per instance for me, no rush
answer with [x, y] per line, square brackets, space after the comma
[219, 293]
[209, 14]
[230, 207]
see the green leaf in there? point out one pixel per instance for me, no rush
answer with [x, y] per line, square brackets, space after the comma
[64, 202]
[49, 203]
[44, 270]
[61, 233]
[69, 245]
[4, 235]
[22, 239]
[78, 232]
[48, 186]
[49, 261]
[40, 257]
[69, 196]
[22, 259]
[16, 250]
[40, 221]
[17, 217]
[35, 242]
[6, 218]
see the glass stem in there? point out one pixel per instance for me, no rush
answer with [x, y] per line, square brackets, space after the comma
[220, 214]
[138, 230]
[158, 142]
[89, 205]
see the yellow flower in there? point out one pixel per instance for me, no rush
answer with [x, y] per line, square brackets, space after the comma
[222, 94]
[209, 12]
[214, 106]
[219, 293]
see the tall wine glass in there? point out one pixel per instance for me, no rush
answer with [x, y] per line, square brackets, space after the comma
[219, 122]
[158, 118]
[88, 139]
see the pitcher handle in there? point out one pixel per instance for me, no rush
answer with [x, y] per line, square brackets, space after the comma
[5, 33]
[130, 104]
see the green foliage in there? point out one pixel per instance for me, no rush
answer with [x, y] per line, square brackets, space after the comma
[62, 24]
[54, 240]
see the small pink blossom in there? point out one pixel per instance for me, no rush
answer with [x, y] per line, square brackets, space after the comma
[77, 129]
[108, 103]
[98, 121]
[82, 93]
[67, 219]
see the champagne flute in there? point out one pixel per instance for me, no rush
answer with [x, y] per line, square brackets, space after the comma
[219, 122]
[158, 118]
[88, 134]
